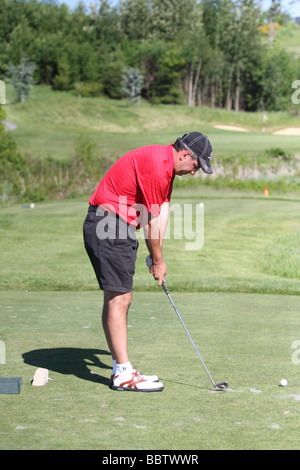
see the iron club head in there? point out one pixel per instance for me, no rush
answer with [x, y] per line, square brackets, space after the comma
[222, 386]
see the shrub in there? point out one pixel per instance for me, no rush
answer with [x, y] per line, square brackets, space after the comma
[88, 89]
[277, 152]
[26, 178]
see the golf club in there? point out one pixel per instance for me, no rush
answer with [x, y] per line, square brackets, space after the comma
[219, 386]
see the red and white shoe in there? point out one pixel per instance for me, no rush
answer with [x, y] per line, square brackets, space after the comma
[135, 382]
[151, 378]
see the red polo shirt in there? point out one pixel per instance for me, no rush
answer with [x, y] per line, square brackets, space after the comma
[142, 177]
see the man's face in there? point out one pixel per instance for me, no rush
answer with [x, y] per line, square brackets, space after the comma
[186, 164]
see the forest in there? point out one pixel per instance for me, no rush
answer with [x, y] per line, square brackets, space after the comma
[216, 53]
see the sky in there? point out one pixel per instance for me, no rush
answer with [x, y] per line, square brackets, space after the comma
[290, 6]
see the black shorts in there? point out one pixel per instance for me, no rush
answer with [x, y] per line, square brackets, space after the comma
[112, 248]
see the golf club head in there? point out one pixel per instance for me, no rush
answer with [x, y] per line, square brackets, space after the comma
[222, 386]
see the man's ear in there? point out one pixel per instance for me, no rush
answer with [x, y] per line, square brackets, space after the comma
[183, 154]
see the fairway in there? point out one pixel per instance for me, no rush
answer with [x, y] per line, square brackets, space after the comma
[251, 244]
[244, 338]
[239, 298]
[49, 123]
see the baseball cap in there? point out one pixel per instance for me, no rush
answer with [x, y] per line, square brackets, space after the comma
[201, 147]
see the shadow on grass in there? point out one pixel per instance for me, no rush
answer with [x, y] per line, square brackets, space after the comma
[70, 361]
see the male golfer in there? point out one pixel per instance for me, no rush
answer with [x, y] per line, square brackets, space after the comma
[135, 193]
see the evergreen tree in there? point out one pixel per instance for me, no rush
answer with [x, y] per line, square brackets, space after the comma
[132, 82]
[21, 77]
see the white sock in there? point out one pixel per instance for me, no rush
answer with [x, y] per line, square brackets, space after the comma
[114, 366]
[124, 369]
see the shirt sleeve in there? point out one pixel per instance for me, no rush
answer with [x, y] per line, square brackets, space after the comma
[155, 190]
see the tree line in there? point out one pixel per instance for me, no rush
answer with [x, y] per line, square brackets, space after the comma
[209, 52]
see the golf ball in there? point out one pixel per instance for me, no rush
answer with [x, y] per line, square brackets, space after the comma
[283, 382]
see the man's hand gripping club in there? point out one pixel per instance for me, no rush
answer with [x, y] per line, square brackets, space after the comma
[158, 270]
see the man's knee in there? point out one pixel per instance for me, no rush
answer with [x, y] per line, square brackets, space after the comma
[123, 300]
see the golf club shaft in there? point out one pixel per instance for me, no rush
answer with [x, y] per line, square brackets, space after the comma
[187, 331]
[221, 385]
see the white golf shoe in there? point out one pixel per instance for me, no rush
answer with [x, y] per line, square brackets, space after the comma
[151, 378]
[135, 382]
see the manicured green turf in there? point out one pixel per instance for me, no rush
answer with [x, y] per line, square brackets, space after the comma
[250, 245]
[50, 310]
[244, 338]
[49, 122]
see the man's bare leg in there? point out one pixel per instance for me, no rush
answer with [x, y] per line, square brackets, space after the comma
[114, 321]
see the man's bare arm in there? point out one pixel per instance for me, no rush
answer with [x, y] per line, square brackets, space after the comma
[154, 234]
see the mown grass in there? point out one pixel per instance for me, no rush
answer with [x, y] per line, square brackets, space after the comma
[49, 122]
[289, 38]
[42, 248]
[50, 311]
[244, 338]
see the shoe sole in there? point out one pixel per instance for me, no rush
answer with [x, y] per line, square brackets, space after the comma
[127, 389]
